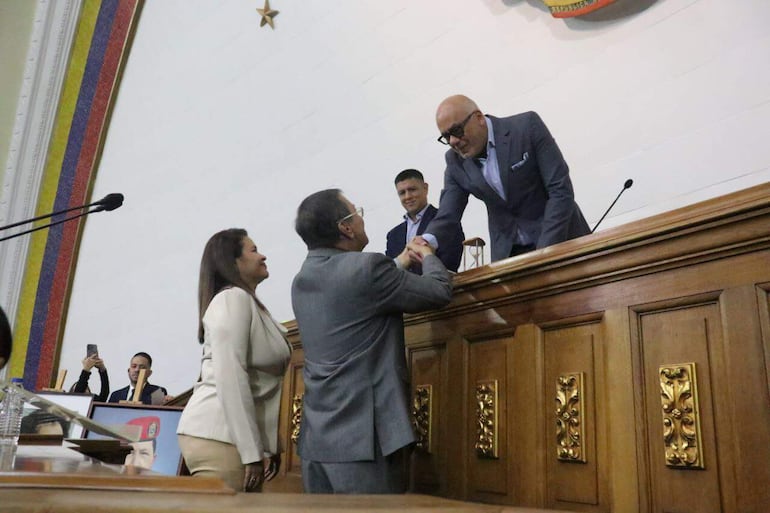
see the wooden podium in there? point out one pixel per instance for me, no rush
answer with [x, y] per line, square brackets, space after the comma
[624, 371]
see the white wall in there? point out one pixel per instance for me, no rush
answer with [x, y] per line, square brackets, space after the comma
[220, 123]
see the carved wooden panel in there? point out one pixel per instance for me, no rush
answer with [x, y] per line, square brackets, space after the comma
[488, 458]
[681, 416]
[295, 392]
[763, 300]
[690, 286]
[572, 464]
[570, 418]
[668, 335]
[428, 468]
[487, 422]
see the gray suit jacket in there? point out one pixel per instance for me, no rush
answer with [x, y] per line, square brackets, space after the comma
[349, 308]
[539, 196]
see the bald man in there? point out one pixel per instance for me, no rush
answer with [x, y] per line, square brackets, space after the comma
[514, 166]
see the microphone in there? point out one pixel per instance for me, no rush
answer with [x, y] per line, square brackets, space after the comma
[108, 203]
[627, 185]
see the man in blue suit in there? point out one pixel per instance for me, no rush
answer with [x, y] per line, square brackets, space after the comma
[151, 394]
[515, 167]
[413, 193]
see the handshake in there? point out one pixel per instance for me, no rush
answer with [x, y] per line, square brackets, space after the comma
[414, 252]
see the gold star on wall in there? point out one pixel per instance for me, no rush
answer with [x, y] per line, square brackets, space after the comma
[267, 15]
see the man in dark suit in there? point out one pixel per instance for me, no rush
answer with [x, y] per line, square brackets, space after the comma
[356, 423]
[413, 193]
[151, 394]
[515, 167]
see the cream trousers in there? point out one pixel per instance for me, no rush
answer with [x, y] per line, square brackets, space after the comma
[213, 458]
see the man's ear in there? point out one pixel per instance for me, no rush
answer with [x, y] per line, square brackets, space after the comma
[147, 374]
[346, 231]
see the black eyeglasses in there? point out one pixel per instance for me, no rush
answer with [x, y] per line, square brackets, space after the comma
[457, 130]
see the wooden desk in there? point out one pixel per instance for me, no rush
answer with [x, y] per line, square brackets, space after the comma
[623, 371]
[47, 478]
[60, 467]
[76, 501]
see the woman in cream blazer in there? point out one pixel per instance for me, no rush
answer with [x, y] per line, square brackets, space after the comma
[229, 427]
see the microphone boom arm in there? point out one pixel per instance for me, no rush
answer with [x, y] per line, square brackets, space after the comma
[626, 185]
[109, 202]
[48, 225]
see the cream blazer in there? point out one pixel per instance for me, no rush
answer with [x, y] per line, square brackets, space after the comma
[245, 355]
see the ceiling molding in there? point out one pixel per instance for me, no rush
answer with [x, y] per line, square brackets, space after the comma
[51, 38]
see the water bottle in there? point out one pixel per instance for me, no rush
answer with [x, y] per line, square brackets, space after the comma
[10, 414]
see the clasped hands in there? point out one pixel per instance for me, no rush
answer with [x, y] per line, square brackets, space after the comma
[414, 252]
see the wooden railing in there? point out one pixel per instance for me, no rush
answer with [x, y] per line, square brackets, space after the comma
[622, 371]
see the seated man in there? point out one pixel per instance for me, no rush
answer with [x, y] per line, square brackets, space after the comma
[151, 394]
[413, 193]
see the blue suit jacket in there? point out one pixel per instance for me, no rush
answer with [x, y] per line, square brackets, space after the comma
[151, 394]
[539, 197]
[450, 252]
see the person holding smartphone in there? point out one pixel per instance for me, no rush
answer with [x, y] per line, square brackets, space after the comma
[229, 428]
[89, 362]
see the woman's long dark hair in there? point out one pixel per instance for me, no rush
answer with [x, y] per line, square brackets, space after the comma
[219, 270]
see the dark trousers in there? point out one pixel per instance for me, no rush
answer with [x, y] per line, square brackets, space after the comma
[385, 474]
[518, 249]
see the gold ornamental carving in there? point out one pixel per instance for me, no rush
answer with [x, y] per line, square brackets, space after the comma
[681, 416]
[569, 418]
[486, 419]
[296, 416]
[422, 402]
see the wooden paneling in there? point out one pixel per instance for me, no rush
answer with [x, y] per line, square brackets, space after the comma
[690, 287]
[571, 354]
[487, 398]
[289, 479]
[428, 462]
[669, 336]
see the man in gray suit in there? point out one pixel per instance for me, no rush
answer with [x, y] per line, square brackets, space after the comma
[515, 167]
[356, 422]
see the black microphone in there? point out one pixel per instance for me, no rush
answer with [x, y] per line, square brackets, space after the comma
[109, 202]
[626, 185]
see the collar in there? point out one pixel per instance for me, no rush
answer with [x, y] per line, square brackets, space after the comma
[490, 143]
[325, 252]
[418, 217]
[490, 134]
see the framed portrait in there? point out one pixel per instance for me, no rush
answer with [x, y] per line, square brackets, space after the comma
[153, 426]
[37, 420]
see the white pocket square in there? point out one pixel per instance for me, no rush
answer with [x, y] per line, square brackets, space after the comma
[524, 158]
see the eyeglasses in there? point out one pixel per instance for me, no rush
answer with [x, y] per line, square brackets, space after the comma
[358, 212]
[455, 131]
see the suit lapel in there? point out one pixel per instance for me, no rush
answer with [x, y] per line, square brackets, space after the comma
[503, 150]
[427, 217]
[473, 171]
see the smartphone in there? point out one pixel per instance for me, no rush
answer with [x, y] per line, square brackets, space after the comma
[92, 350]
